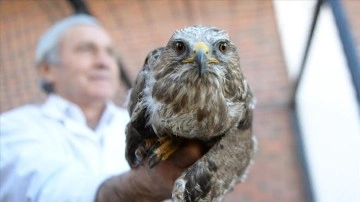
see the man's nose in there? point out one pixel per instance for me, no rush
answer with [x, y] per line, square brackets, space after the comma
[104, 59]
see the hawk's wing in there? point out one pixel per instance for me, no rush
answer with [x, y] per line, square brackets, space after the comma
[140, 82]
[138, 130]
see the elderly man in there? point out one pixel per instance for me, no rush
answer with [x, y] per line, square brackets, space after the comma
[71, 148]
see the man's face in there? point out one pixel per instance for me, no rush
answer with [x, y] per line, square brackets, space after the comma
[87, 70]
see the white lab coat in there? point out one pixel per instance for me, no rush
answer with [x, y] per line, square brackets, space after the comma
[48, 153]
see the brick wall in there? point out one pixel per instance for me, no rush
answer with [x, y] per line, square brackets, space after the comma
[140, 26]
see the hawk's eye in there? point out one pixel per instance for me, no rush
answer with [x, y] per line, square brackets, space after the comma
[223, 47]
[179, 47]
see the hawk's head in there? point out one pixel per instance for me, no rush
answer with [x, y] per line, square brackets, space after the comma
[201, 50]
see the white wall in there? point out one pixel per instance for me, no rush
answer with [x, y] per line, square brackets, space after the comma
[329, 116]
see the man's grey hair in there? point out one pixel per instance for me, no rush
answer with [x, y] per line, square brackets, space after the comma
[47, 49]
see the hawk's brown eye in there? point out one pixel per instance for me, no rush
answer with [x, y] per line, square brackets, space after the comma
[179, 47]
[223, 47]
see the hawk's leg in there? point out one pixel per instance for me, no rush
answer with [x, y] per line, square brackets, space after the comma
[162, 150]
[212, 176]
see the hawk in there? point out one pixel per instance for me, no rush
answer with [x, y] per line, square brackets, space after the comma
[193, 88]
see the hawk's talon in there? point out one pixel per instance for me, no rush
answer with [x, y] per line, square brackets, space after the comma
[140, 155]
[162, 150]
[154, 159]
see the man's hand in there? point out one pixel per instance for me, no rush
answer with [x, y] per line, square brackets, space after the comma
[153, 185]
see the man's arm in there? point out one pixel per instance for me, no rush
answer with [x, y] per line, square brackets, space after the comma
[148, 185]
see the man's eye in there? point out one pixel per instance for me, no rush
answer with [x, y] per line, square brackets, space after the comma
[111, 52]
[84, 48]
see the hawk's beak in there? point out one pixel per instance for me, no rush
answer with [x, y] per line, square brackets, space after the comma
[201, 57]
[201, 62]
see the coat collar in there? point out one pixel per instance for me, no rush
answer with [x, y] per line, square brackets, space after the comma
[58, 108]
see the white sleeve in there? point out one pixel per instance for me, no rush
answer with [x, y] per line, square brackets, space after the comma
[31, 170]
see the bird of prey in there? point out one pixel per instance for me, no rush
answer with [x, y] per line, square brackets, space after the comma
[193, 88]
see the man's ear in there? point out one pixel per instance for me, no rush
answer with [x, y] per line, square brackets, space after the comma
[47, 72]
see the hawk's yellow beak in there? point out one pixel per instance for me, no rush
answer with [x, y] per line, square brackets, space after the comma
[201, 57]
